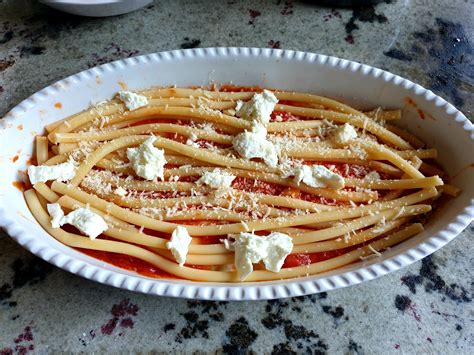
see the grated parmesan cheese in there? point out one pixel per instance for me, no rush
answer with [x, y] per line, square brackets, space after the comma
[246, 226]
[191, 141]
[374, 251]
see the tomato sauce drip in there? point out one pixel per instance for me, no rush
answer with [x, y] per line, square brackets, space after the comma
[31, 161]
[21, 185]
[422, 114]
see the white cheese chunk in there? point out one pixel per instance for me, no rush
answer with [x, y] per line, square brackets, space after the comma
[56, 213]
[131, 100]
[238, 106]
[372, 176]
[251, 249]
[88, 222]
[258, 108]
[42, 173]
[147, 161]
[217, 179]
[318, 176]
[179, 244]
[279, 246]
[120, 191]
[255, 145]
[345, 134]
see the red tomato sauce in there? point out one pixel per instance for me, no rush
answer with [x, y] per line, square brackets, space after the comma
[129, 263]
[279, 116]
[257, 186]
[210, 239]
[21, 185]
[31, 161]
[240, 183]
[294, 260]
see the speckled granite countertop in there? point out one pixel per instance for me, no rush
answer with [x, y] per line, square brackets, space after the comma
[425, 308]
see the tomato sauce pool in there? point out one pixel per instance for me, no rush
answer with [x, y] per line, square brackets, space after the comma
[129, 263]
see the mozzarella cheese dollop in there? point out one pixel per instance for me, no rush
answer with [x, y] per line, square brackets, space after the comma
[258, 108]
[42, 173]
[179, 244]
[251, 249]
[56, 213]
[88, 222]
[217, 179]
[318, 176]
[147, 161]
[131, 100]
[255, 145]
[345, 134]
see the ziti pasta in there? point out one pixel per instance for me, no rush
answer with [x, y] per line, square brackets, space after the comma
[236, 184]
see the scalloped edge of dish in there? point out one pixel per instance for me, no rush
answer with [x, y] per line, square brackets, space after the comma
[251, 291]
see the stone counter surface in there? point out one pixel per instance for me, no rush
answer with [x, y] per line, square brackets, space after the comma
[424, 308]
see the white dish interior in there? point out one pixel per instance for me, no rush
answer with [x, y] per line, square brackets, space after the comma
[447, 129]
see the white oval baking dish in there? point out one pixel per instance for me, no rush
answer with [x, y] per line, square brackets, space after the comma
[445, 128]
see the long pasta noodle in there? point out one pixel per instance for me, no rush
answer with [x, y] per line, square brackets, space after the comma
[384, 180]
